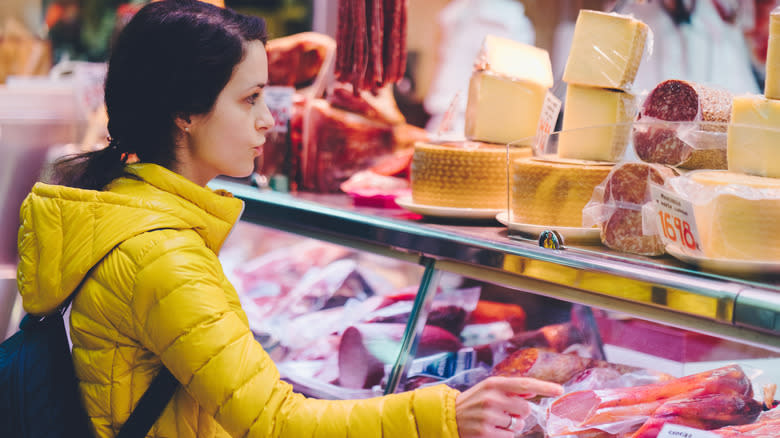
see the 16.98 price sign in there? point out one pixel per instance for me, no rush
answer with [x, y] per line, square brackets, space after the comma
[675, 219]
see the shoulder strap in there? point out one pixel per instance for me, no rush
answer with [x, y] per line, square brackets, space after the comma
[151, 405]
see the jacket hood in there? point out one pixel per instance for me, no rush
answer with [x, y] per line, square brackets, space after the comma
[64, 232]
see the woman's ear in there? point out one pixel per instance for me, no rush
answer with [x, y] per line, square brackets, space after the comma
[183, 122]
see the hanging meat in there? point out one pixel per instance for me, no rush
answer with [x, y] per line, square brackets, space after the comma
[371, 43]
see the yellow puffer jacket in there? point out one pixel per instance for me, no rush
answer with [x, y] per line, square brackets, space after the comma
[154, 293]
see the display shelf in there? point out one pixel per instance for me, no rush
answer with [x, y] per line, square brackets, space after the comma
[661, 289]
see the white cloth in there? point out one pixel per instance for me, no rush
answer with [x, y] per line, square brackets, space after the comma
[463, 26]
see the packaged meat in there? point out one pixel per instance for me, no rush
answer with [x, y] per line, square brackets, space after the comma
[705, 412]
[624, 410]
[549, 365]
[616, 207]
[337, 144]
[699, 142]
[366, 348]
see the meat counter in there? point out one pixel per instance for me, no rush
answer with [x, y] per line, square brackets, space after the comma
[663, 293]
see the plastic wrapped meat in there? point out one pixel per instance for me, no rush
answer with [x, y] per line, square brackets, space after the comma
[690, 146]
[365, 349]
[624, 410]
[296, 60]
[550, 366]
[705, 412]
[337, 144]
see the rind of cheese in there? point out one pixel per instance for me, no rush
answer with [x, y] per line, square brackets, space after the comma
[553, 193]
[736, 227]
[606, 50]
[500, 110]
[753, 144]
[772, 80]
[515, 60]
[604, 113]
[462, 175]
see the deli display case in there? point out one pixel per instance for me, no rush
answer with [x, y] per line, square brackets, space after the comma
[656, 312]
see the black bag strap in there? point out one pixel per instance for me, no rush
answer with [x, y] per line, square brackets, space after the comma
[151, 405]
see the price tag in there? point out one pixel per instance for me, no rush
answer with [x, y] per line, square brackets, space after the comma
[676, 431]
[675, 220]
[280, 102]
[550, 111]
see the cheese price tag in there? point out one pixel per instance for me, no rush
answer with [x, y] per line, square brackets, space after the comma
[676, 431]
[675, 220]
[280, 102]
[550, 111]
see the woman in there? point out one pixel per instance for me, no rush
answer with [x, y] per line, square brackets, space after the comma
[184, 93]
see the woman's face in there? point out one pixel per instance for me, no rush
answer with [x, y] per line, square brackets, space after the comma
[226, 140]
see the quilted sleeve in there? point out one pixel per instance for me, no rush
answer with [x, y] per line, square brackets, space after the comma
[183, 315]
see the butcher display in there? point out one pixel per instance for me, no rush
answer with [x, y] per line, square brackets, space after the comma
[699, 145]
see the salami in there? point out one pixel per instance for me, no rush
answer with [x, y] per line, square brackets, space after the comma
[680, 101]
[626, 191]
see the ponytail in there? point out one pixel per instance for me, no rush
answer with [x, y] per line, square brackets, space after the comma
[91, 170]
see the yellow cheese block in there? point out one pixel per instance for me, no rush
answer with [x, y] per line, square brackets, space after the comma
[598, 110]
[738, 227]
[462, 174]
[606, 50]
[500, 110]
[772, 80]
[515, 60]
[549, 192]
[753, 144]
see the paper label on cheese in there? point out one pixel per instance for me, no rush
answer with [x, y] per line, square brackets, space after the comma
[670, 430]
[675, 220]
[280, 102]
[550, 110]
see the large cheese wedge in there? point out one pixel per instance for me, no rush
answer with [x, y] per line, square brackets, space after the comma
[772, 80]
[604, 113]
[462, 174]
[606, 50]
[738, 223]
[501, 110]
[515, 60]
[550, 192]
[753, 144]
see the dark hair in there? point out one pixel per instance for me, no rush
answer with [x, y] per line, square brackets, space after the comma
[171, 60]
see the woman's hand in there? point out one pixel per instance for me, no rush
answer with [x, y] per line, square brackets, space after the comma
[496, 406]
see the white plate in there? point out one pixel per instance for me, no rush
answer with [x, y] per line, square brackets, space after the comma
[570, 234]
[448, 212]
[725, 266]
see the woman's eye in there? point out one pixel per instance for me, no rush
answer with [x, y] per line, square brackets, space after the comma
[253, 98]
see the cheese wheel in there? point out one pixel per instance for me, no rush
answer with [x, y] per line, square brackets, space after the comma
[606, 50]
[548, 192]
[736, 227]
[604, 113]
[462, 174]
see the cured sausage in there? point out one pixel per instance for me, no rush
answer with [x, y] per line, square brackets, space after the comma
[626, 191]
[681, 101]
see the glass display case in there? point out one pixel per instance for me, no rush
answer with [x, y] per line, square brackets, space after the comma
[639, 311]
